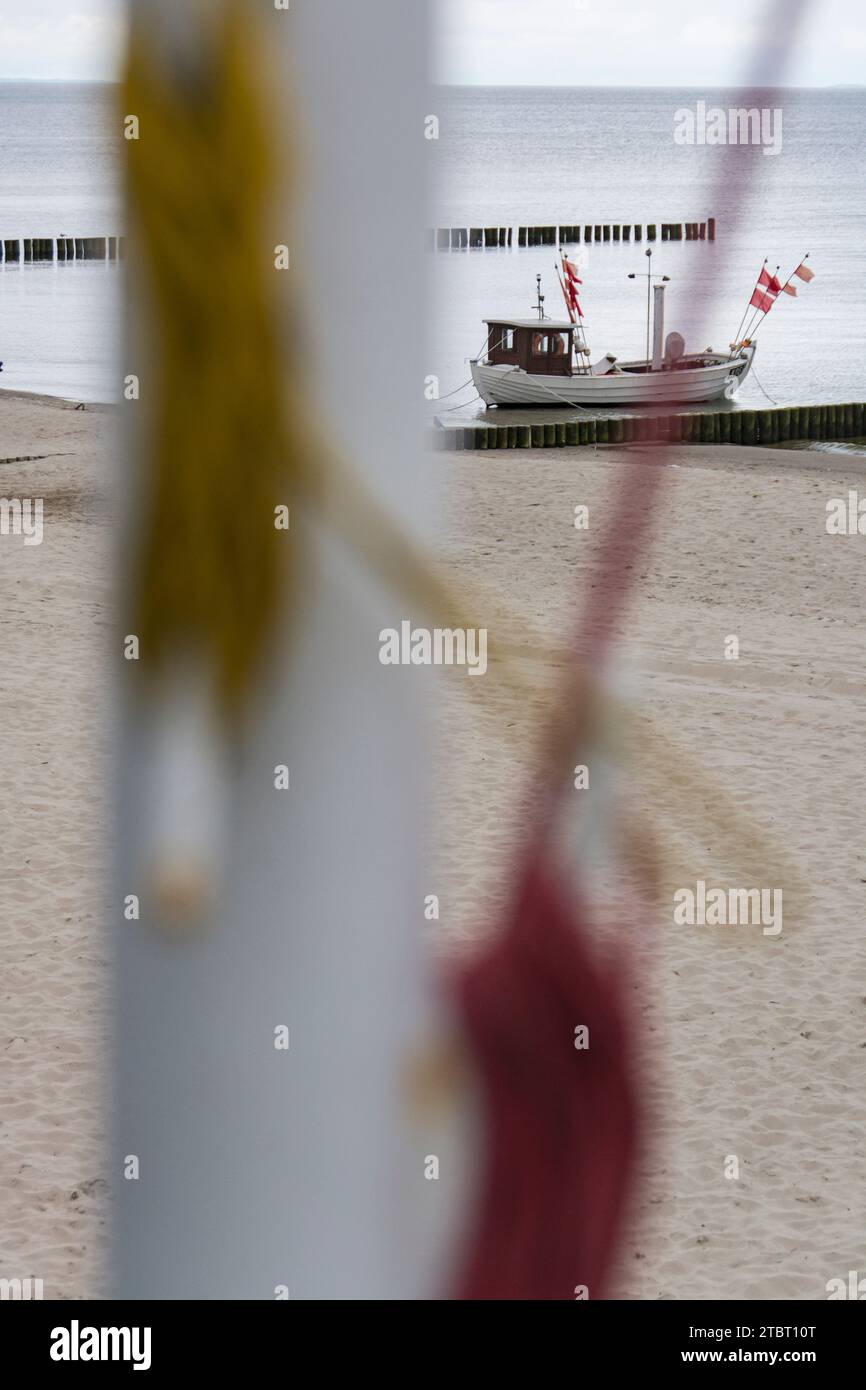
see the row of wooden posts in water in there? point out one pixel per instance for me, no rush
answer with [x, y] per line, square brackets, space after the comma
[64, 248]
[777, 426]
[458, 238]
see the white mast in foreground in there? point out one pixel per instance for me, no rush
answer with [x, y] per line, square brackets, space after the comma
[261, 1148]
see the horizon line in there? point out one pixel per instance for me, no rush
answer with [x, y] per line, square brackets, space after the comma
[657, 86]
[92, 81]
[538, 86]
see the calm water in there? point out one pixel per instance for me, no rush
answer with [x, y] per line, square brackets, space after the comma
[505, 156]
[538, 156]
[59, 173]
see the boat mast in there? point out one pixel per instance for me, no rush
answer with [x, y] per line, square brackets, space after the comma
[648, 283]
[635, 275]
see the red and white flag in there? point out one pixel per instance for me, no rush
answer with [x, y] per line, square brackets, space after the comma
[570, 271]
[769, 283]
[570, 284]
[804, 273]
[791, 290]
[762, 301]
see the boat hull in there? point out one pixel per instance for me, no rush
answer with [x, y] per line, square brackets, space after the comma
[502, 385]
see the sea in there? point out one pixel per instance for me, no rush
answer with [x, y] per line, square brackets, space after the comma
[60, 176]
[505, 157]
[536, 156]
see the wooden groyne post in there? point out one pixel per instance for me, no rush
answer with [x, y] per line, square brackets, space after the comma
[567, 233]
[780, 425]
[18, 250]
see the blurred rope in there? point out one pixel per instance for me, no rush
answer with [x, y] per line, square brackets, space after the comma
[226, 441]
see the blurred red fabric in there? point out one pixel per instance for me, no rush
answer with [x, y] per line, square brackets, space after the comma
[561, 1124]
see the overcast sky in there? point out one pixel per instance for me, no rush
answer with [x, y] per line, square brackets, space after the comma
[60, 38]
[626, 42]
[571, 42]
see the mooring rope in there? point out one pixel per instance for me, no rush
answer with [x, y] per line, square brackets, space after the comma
[470, 382]
[760, 387]
[463, 405]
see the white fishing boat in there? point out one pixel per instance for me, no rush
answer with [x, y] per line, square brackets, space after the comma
[541, 361]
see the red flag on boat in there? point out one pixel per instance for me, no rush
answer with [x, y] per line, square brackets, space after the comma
[762, 301]
[567, 294]
[769, 282]
[569, 288]
[570, 271]
[804, 273]
[791, 290]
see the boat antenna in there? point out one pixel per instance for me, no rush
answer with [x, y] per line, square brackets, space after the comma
[540, 305]
[636, 275]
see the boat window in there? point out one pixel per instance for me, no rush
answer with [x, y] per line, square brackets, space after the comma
[545, 343]
[508, 340]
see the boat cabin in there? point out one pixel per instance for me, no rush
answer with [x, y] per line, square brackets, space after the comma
[540, 346]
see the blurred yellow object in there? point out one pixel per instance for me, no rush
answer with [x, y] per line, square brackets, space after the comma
[224, 450]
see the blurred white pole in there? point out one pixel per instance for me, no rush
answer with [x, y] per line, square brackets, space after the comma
[257, 1167]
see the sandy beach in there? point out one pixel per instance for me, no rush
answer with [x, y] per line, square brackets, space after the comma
[54, 712]
[760, 1045]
